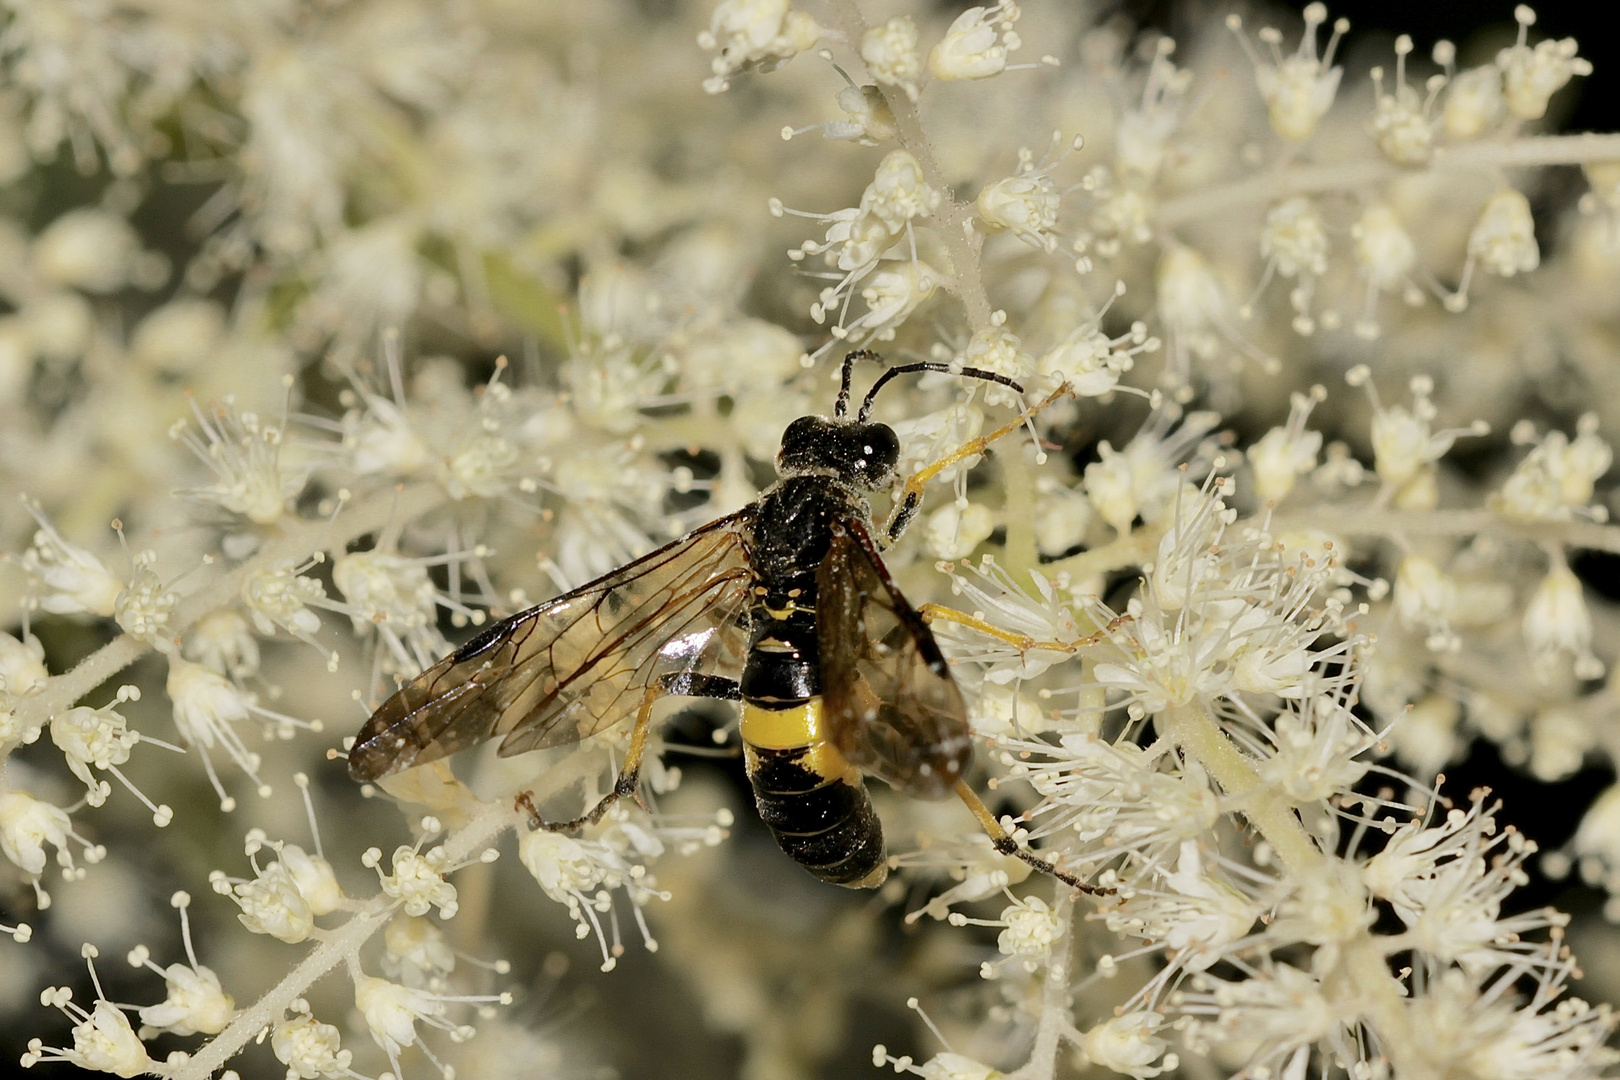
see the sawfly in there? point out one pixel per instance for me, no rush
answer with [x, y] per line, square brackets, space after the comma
[784, 606]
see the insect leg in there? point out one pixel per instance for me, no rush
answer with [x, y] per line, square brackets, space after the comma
[684, 684]
[933, 613]
[906, 506]
[1008, 846]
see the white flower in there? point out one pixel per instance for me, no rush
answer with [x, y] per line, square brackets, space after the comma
[1090, 362]
[1142, 135]
[1193, 911]
[1316, 755]
[74, 579]
[889, 51]
[394, 596]
[309, 1048]
[1556, 622]
[280, 596]
[144, 607]
[757, 34]
[1556, 479]
[206, 705]
[22, 669]
[1129, 1045]
[977, 43]
[1300, 88]
[563, 866]
[952, 533]
[942, 1066]
[1387, 256]
[1294, 243]
[1029, 930]
[416, 951]
[891, 296]
[27, 825]
[103, 1040]
[22, 664]
[316, 880]
[1404, 446]
[1285, 453]
[223, 640]
[271, 903]
[101, 738]
[196, 1002]
[1401, 122]
[1504, 237]
[391, 1012]
[1474, 102]
[1271, 1013]
[1026, 203]
[416, 882]
[1447, 882]
[1195, 311]
[1530, 77]
[898, 193]
[246, 455]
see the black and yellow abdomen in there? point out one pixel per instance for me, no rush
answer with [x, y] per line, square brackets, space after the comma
[812, 799]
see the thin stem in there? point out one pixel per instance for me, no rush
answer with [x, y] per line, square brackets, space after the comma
[338, 946]
[1371, 521]
[1021, 502]
[1055, 999]
[961, 241]
[1360, 978]
[1537, 150]
[294, 545]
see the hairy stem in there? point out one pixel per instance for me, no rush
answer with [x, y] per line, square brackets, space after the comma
[1384, 522]
[1055, 998]
[1018, 476]
[961, 241]
[1271, 186]
[294, 545]
[338, 945]
[1361, 976]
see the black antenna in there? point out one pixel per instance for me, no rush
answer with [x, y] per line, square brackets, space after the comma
[849, 365]
[973, 373]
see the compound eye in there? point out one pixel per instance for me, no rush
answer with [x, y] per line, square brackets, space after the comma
[880, 452]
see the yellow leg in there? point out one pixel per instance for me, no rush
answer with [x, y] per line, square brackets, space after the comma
[905, 508]
[626, 786]
[1022, 642]
[1008, 846]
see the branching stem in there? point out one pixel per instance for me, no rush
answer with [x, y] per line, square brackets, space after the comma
[1360, 978]
[1267, 187]
[293, 545]
[955, 219]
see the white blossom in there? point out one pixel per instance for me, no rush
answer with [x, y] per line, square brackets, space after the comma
[1299, 89]
[1530, 77]
[1130, 1045]
[889, 51]
[309, 1048]
[977, 43]
[196, 1002]
[103, 1040]
[754, 34]
[74, 579]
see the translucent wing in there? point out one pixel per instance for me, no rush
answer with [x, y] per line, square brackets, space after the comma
[577, 664]
[892, 706]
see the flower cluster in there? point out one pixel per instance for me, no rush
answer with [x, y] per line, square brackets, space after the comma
[333, 334]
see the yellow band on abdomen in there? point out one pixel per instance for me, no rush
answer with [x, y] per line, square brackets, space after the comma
[783, 729]
[791, 729]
